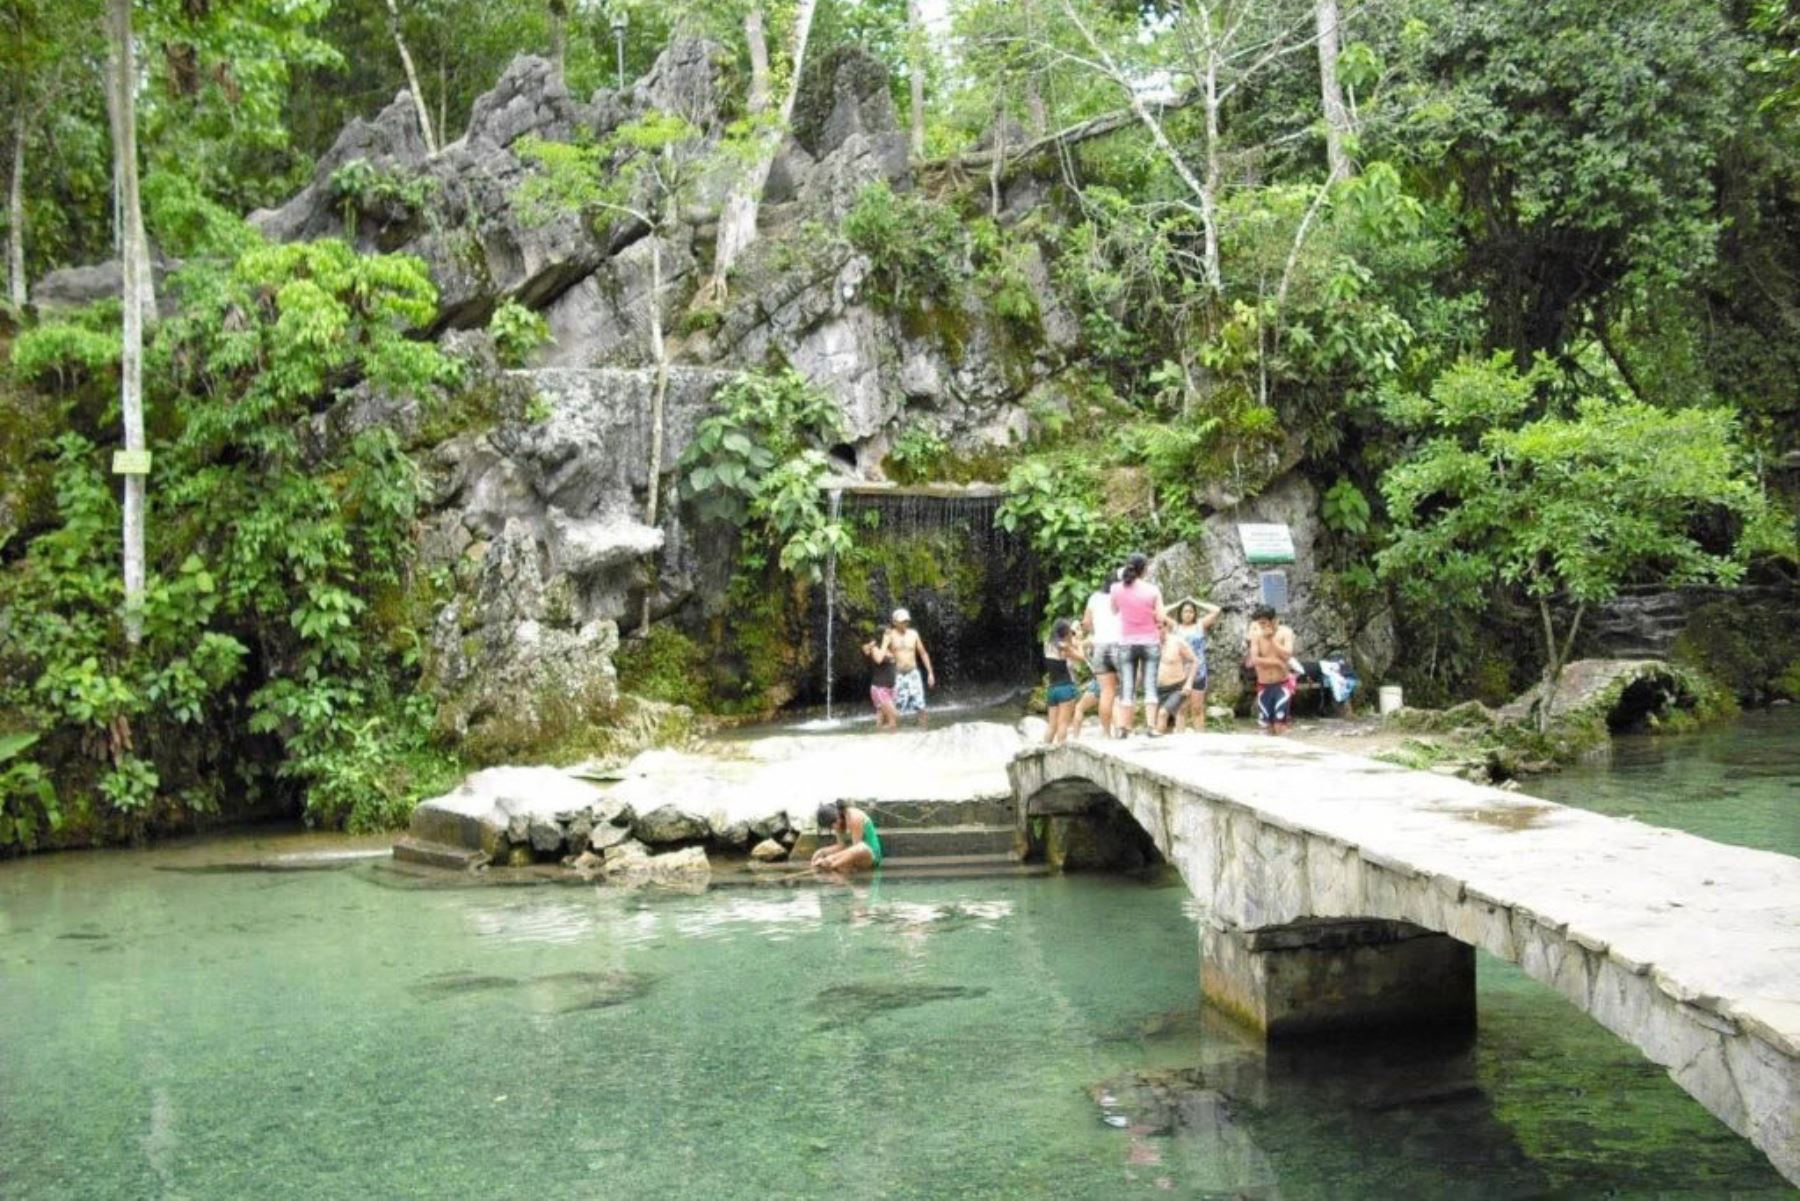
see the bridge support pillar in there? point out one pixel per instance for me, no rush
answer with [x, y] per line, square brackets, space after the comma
[1321, 977]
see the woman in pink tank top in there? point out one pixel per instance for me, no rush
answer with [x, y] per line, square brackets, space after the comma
[1139, 606]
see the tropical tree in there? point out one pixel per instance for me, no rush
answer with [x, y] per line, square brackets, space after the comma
[1560, 508]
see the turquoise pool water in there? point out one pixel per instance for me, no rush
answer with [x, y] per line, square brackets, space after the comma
[201, 1034]
[1738, 782]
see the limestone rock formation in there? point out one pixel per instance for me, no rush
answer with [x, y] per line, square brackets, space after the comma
[500, 807]
[1215, 568]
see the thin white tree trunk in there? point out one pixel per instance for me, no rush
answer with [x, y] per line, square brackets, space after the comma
[17, 291]
[133, 260]
[1337, 117]
[915, 71]
[1204, 195]
[658, 392]
[803, 19]
[1209, 191]
[412, 79]
[737, 219]
[757, 41]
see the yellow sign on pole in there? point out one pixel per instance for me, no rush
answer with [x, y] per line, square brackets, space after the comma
[131, 462]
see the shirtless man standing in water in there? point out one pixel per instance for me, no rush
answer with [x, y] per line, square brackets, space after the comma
[907, 649]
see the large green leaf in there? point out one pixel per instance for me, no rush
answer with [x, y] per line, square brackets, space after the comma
[15, 744]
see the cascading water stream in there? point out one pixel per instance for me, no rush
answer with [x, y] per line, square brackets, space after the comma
[973, 589]
[836, 503]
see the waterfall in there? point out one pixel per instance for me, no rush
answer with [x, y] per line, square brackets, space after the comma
[837, 500]
[974, 590]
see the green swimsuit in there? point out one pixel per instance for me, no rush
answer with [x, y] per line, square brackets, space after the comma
[872, 838]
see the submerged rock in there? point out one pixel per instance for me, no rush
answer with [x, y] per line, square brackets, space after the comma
[851, 1002]
[631, 863]
[768, 851]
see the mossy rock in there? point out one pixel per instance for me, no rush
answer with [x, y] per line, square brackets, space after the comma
[1749, 644]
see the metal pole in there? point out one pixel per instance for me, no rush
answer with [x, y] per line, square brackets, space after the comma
[619, 51]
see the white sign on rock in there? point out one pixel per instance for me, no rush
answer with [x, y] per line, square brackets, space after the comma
[1267, 543]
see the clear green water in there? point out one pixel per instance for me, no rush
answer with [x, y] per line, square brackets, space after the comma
[316, 1034]
[1737, 783]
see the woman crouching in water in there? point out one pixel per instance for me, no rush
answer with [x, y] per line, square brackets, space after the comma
[858, 846]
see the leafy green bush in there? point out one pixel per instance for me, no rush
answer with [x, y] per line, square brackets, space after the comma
[1001, 276]
[1344, 509]
[918, 249]
[27, 799]
[916, 455]
[76, 348]
[666, 665]
[257, 630]
[363, 189]
[1055, 502]
[757, 460]
[517, 331]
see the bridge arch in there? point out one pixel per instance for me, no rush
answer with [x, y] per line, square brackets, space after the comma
[1339, 893]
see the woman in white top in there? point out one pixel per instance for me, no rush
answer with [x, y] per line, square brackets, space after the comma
[1101, 621]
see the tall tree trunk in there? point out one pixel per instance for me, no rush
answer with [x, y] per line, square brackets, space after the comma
[915, 72]
[658, 393]
[412, 78]
[17, 291]
[134, 258]
[803, 19]
[737, 220]
[1209, 189]
[758, 42]
[1337, 117]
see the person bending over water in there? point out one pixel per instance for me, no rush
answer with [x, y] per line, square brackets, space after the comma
[907, 649]
[858, 846]
[1061, 653]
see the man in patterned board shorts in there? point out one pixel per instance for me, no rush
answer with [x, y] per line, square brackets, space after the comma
[907, 649]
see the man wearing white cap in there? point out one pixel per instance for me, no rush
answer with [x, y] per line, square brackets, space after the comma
[903, 643]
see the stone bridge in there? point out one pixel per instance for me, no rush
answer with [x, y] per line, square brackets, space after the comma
[1342, 893]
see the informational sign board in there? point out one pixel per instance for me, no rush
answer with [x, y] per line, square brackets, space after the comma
[131, 462]
[1267, 543]
[1274, 589]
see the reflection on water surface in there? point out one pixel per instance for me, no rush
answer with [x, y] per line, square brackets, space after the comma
[310, 1034]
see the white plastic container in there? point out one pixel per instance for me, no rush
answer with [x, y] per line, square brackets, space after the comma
[1390, 698]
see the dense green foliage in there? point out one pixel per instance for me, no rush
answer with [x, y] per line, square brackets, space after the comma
[1562, 507]
[1187, 305]
[279, 566]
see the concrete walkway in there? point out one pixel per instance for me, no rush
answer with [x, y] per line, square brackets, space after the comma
[1688, 949]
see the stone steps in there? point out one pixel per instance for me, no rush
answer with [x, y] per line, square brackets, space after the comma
[410, 849]
[918, 867]
[938, 841]
[957, 867]
[902, 815]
